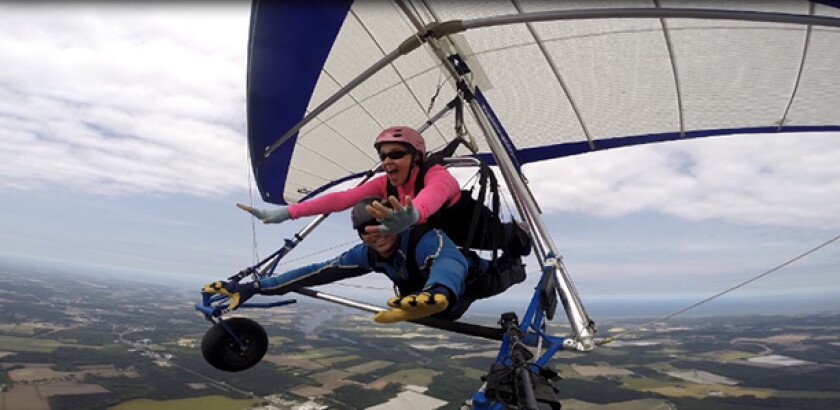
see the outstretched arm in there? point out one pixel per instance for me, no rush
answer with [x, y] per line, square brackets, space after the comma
[339, 201]
[325, 204]
[349, 264]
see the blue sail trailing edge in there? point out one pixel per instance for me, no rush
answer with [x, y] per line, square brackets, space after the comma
[289, 43]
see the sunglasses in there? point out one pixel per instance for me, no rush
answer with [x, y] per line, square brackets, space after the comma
[395, 155]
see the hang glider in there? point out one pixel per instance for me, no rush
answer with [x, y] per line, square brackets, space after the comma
[563, 78]
[537, 80]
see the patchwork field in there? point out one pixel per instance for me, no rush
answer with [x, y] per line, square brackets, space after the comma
[24, 397]
[24, 329]
[701, 377]
[778, 360]
[354, 364]
[416, 377]
[304, 364]
[43, 372]
[490, 354]
[64, 389]
[368, 367]
[27, 344]
[644, 404]
[474, 374]
[409, 399]
[313, 353]
[592, 371]
[728, 355]
[785, 339]
[204, 403]
[335, 360]
[646, 383]
[700, 391]
[329, 380]
[34, 396]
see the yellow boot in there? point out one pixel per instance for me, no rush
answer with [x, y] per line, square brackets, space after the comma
[413, 307]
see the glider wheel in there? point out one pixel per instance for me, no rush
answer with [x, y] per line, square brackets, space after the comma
[222, 351]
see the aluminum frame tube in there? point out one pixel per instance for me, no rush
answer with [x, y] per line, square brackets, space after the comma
[388, 59]
[581, 323]
[464, 328]
[703, 14]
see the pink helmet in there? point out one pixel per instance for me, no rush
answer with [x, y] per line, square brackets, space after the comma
[403, 135]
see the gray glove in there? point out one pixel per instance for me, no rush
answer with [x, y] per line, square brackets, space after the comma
[399, 220]
[274, 216]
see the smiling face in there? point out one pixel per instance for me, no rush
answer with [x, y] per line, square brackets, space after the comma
[396, 161]
[384, 245]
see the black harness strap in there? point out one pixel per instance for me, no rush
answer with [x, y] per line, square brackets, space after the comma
[486, 174]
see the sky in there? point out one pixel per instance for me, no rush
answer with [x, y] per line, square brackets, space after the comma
[123, 152]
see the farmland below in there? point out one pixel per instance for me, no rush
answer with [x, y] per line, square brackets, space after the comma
[76, 342]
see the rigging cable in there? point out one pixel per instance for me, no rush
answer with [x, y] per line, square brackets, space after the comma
[341, 245]
[719, 294]
[440, 85]
[255, 252]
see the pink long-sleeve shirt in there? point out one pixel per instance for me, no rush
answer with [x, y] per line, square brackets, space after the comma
[439, 188]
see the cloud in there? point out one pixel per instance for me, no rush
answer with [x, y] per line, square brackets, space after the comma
[756, 179]
[115, 99]
[112, 99]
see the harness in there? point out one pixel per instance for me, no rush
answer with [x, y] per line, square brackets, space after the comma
[416, 279]
[452, 217]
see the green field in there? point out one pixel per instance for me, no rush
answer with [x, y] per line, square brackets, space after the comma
[670, 351]
[417, 377]
[642, 383]
[733, 356]
[565, 370]
[278, 340]
[199, 403]
[333, 360]
[807, 394]
[319, 353]
[27, 344]
[25, 329]
[472, 373]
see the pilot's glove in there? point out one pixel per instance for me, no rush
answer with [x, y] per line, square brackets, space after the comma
[237, 292]
[399, 221]
[393, 219]
[432, 300]
[273, 216]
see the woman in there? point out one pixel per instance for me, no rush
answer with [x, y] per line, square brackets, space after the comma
[402, 151]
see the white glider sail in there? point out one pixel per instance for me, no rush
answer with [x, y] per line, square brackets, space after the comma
[561, 85]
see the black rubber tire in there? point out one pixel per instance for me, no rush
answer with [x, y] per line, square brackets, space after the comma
[222, 351]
